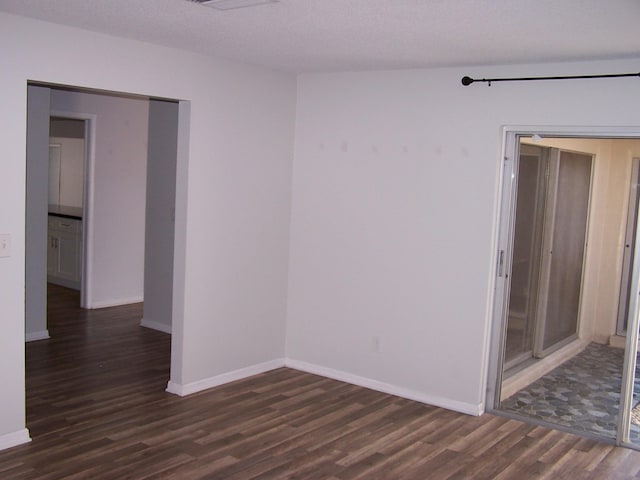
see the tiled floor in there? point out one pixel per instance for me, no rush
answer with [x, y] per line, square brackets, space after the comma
[582, 393]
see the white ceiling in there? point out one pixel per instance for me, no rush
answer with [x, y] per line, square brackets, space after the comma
[334, 35]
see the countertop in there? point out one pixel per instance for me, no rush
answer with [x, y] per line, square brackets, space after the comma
[65, 211]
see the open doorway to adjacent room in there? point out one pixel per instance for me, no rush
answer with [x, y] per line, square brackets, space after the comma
[101, 195]
[69, 139]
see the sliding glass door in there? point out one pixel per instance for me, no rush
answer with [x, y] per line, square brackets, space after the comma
[527, 250]
[589, 386]
[550, 226]
[566, 219]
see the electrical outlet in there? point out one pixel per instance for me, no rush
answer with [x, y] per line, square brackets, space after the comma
[5, 245]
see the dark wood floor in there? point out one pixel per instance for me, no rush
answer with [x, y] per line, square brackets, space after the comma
[97, 410]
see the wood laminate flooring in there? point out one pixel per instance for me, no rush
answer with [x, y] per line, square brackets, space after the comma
[97, 409]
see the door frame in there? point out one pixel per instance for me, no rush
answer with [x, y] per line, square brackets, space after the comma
[504, 215]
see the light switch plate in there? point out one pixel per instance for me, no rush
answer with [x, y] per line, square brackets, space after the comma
[5, 245]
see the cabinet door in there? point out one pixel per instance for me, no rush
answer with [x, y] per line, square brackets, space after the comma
[68, 256]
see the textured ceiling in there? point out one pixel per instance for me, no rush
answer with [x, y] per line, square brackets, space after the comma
[332, 35]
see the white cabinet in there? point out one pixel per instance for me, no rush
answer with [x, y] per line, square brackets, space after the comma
[64, 251]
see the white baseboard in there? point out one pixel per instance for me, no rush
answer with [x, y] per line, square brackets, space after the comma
[14, 439]
[618, 341]
[189, 388]
[115, 302]
[34, 336]
[155, 326]
[462, 407]
[73, 285]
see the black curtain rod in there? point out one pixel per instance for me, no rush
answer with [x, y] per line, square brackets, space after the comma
[468, 80]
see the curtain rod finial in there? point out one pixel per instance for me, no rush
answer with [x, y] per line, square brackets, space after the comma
[467, 81]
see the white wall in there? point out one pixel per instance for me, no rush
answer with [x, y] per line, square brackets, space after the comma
[235, 182]
[117, 216]
[37, 160]
[159, 220]
[393, 217]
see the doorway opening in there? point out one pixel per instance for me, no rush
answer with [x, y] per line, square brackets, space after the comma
[111, 178]
[557, 354]
[69, 161]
